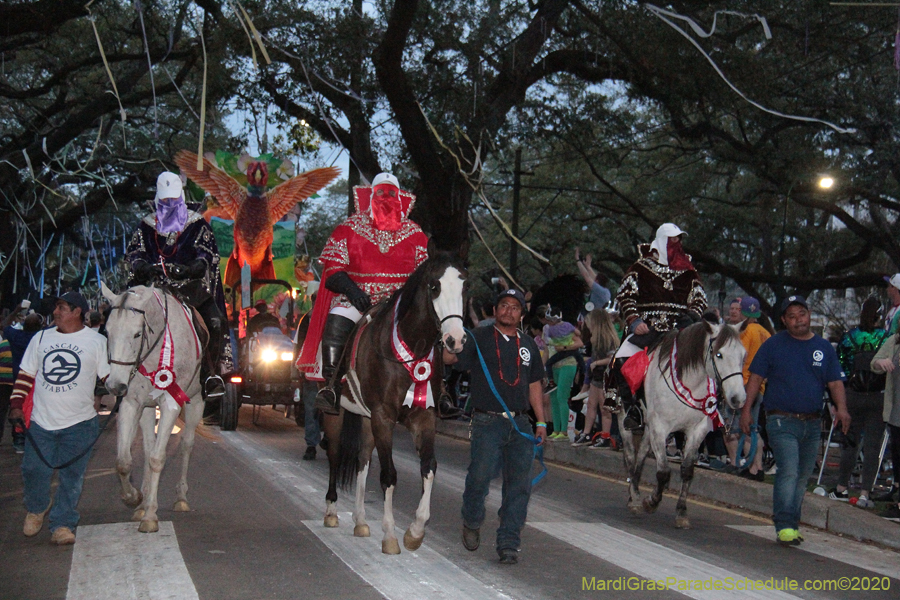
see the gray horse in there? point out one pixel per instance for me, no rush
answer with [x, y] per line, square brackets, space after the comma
[154, 356]
[689, 373]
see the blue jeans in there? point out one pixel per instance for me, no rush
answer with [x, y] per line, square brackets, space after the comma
[496, 445]
[311, 430]
[58, 447]
[795, 444]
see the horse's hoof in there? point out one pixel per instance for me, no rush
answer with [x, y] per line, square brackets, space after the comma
[138, 515]
[635, 507]
[391, 546]
[412, 543]
[361, 530]
[181, 506]
[682, 523]
[649, 506]
[331, 520]
[148, 526]
[132, 500]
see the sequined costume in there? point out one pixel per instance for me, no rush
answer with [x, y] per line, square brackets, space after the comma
[378, 262]
[658, 294]
[195, 241]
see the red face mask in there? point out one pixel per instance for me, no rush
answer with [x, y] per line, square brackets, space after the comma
[386, 208]
[678, 260]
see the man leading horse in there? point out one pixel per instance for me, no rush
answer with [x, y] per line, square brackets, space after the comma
[368, 257]
[175, 248]
[660, 292]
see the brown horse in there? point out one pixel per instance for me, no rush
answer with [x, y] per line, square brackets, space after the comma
[393, 365]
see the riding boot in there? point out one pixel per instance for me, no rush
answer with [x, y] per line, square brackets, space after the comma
[446, 409]
[624, 399]
[213, 385]
[337, 330]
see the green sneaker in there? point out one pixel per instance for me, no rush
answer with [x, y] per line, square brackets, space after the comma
[788, 537]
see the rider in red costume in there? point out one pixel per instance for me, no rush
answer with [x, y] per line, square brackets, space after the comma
[367, 258]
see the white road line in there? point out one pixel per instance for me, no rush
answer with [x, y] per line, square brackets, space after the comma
[851, 552]
[116, 562]
[419, 574]
[652, 561]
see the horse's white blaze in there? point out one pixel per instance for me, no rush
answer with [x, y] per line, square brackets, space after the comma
[732, 361]
[450, 302]
[423, 513]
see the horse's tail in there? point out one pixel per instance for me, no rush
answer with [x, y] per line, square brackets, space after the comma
[351, 443]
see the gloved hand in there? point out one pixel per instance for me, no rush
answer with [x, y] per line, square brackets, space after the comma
[192, 270]
[144, 272]
[340, 283]
[178, 272]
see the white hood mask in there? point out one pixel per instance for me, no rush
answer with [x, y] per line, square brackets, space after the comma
[661, 243]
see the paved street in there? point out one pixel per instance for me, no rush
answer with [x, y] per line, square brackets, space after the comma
[256, 531]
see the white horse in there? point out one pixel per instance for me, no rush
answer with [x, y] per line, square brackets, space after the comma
[154, 356]
[689, 374]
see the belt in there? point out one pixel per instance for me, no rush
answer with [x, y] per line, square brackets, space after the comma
[798, 416]
[514, 413]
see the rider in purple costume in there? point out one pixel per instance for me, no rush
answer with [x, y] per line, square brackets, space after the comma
[175, 248]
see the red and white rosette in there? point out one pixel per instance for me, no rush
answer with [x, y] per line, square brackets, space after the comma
[420, 371]
[163, 378]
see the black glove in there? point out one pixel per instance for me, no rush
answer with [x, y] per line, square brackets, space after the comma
[193, 270]
[340, 283]
[144, 272]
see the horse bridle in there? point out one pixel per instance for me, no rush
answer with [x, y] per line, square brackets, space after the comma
[719, 379]
[145, 326]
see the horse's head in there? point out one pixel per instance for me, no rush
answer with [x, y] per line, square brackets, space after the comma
[127, 335]
[726, 359]
[447, 284]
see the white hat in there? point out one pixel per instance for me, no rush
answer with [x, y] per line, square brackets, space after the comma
[661, 243]
[168, 185]
[894, 280]
[386, 178]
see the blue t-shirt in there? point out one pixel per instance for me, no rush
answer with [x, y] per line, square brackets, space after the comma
[797, 372]
[599, 296]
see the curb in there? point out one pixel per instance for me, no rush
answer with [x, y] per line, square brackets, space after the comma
[835, 517]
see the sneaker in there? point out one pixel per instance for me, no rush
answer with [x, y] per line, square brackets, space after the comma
[582, 439]
[471, 538]
[717, 464]
[310, 453]
[580, 396]
[772, 470]
[19, 442]
[863, 502]
[885, 496]
[788, 537]
[601, 442]
[34, 522]
[674, 455]
[550, 389]
[558, 436]
[702, 461]
[508, 556]
[62, 536]
[891, 513]
[844, 496]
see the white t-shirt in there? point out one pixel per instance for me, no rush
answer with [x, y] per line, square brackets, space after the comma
[66, 367]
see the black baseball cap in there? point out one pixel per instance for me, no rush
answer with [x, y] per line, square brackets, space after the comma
[791, 300]
[511, 293]
[77, 300]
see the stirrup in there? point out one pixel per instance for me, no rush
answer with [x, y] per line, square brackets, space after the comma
[446, 410]
[634, 419]
[327, 401]
[214, 387]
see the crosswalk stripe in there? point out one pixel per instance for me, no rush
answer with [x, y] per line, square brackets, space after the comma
[654, 562]
[419, 574]
[851, 552]
[114, 561]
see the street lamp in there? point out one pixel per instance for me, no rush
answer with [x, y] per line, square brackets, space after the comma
[825, 183]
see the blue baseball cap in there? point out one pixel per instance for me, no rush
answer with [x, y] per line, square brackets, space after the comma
[511, 293]
[750, 307]
[791, 300]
